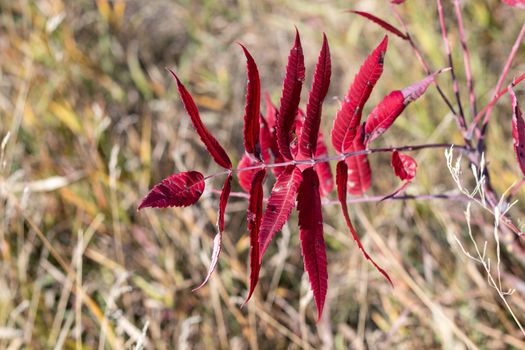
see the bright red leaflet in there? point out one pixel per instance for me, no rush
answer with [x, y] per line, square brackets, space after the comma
[518, 131]
[291, 94]
[386, 112]
[341, 179]
[255, 205]
[385, 25]
[348, 117]
[314, 107]
[313, 246]
[359, 173]
[280, 205]
[212, 145]
[326, 181]
[245, 177]
[397, 2]
[515, 3]
[251, 111]
[177, 190]
[404, 168]
[217, 240]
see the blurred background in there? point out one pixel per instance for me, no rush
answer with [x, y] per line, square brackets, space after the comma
[90, 121]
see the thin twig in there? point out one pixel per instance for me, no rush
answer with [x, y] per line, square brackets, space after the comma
[501, 79]
[466, 58]
[339, 157]
[461, 116]
[492, 102]
[421, 60]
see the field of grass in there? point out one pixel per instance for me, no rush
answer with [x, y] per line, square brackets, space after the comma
[91, 120]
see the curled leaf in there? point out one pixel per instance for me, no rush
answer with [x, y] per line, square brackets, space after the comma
[212, 145]
[313, 246]
[251, 111]
[255, 204]
[386, 112]
[348, 118]
[177, 190]
[341, 180]
[518, 131]
[291, 95]
[404, 166]
[217, 240]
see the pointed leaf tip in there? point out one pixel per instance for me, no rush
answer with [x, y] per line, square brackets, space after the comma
[341, 180]
[178, 190]
[314, 107]
[348, 118]
[252, 108]
[386, 112]
[213, 147]
[217, 240]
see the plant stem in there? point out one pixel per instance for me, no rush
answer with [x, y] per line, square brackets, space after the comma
[421, 60]
[501, 79]
[461, 116]
[368, 199]
[466, 58]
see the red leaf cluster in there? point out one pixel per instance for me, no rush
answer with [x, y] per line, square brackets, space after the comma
[293, 141]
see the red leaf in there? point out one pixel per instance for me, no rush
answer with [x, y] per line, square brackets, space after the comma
[323, 169]
[515, 3]
[314, 107]
[271, 118]
[217, 240]
[348, 117]
[383, 115]
[518, 131]
[397, 2]
[404, 166]
[177, 190]
[212, 145]
[280, 205]
[266, 139]
[291, 95]
[387, 26]
[251, 111]
[386, 112]
[359, 174]
[313, 246]
[341, 179]
[255, 204]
